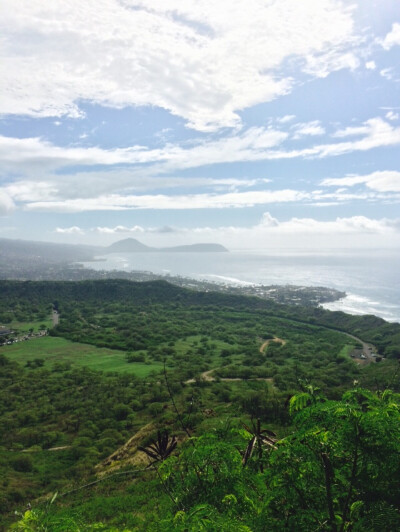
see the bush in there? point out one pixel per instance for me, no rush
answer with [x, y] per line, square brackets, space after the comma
[135, 357]
[22, 463]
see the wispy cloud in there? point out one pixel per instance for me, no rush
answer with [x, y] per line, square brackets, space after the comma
[285, 119]
[74, 230]
[253, 144]
[117, 187]
[136, 229]
[116, 202]
[382, 188]
[31, 152]
[391, 115]
[374, 133]
[381, 181]
[308, 129]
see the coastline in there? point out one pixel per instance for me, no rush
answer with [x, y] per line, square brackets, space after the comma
[367, 286]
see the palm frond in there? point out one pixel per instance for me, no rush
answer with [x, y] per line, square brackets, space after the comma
[161, 448]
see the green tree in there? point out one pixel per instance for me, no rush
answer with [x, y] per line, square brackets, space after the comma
[339, 469]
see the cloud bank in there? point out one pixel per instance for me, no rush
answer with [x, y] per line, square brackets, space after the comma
[294, 232]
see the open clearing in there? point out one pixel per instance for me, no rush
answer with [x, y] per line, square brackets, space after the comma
[54, 350]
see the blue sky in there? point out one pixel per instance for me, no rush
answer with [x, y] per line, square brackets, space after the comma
[251, 123]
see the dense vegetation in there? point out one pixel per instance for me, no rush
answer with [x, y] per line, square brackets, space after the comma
[214, 362]
[338, 470]
[83, 300]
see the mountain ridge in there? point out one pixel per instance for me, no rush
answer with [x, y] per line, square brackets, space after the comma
[131, 245]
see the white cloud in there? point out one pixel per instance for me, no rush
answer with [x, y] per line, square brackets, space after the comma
[285, 119]
[26, 191]
[387, 73]
[270, 234]
[353, 224]
[31, 153]
[119, 229]
[347, 181]
[268, 220]
[351, 131]
[375, 131]
[124, 187]
[392, 38]
[135, 230]
[38, 152]
[115, 202]
[203, 61]
[370, 65]
[85, 184]
[381, 188]
[321, 66]
[34, 155]
[6, 203]
[381, 181]
[305, 129]
[74, 230]
[391, 115]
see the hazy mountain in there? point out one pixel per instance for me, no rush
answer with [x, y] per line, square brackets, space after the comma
[46, 251]
[131, 245]
[49, 252]
[128, 245]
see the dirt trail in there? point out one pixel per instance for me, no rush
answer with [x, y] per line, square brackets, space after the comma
[275, 339]
[61, 448]
[39, 450]
[206, 375]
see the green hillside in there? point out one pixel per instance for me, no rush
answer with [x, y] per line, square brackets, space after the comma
[129, 364]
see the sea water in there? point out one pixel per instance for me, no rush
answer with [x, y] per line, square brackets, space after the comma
[370, 278]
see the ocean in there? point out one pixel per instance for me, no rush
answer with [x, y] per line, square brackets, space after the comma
[370, 278]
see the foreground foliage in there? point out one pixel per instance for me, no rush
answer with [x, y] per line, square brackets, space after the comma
[338, 470]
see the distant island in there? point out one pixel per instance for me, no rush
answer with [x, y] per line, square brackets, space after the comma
[131, 245]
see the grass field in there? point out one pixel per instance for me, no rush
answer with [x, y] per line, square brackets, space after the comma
[24, 327]
[53, 350]
[346, 350]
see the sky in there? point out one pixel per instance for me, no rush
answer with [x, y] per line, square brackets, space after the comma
[254, 124]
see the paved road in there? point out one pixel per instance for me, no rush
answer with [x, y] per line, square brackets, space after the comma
[55, 317]
[367, 349]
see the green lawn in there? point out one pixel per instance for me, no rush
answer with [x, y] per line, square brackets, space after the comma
[346, 350]
[24, 327]
[54, 350]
